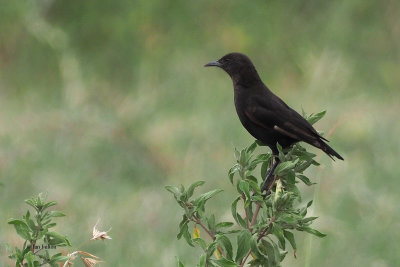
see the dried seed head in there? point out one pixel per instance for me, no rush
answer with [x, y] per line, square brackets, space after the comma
[97, 234]
[90, 262]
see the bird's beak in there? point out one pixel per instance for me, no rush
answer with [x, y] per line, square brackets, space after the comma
[213, 64]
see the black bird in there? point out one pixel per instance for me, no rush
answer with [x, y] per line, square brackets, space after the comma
[264, 115]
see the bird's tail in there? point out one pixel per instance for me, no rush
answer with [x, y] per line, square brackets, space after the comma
[329, 151]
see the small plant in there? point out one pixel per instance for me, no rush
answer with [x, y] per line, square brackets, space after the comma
[263, 222]
[40, 240]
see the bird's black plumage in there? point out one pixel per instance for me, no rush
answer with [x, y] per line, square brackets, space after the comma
[264, 115]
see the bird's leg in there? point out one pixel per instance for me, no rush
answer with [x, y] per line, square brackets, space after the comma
[269, 175]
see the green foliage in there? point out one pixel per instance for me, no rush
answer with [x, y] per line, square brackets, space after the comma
[146, 113]
[262, 222]
[39, 239]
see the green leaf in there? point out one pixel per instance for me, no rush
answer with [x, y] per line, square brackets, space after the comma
[243, 241]
[49, 204]
[303, 166]
[225, 263]
[290, 178]
[235, 215]
[211, 248]
[272, 253]
[181, 189]
[254, 185]
[289, 218]
[313, 118]
[50, 225]
[182, 224]
[252, 147]
[278, 232]
[19, 255]
[254, 246]
[21, 228]
[179, 263]
[221, 239]
[277, 253]
[224, 225]
[251, 178]
[309, 219]
[206, 196]
[184, 231]
[290, 237]
[199, 241]
[30, 258]
[192, 187]
[40, 202]
[174, 190]
[232, 171]
[187, 237]
[281, 154]
[303, 113]
[314, 232]
[237, 155]
[243, 160]
[283, 167]
[245, 189]
[282, 255]
[56, 213]
[31, 224]
[32, 203]
[305, 179]
[41, 234]
[57, 239]
[259, 143]
[264, 169]
[211, 223]
[261, 158]
[203, 259]
[59, 257]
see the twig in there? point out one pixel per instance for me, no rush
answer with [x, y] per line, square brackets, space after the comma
[254, 219]
[33, 244]
[253, 222]
[199, 222]
[261, 235]
[245, 258]
[255, 215]
[205, 228]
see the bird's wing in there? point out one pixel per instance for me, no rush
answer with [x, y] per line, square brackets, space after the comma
[281, 118]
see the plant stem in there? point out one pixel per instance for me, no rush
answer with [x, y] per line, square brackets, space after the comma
[245, 258]
[254, 219]
[261, 235]
[205, 228]
[255, 215]
[33, 244]
[199, 222]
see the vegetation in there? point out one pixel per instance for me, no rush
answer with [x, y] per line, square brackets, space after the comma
[42, 244]
[268, 218]
[103, 104]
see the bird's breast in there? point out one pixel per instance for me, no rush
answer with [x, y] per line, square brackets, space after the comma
[241, 105]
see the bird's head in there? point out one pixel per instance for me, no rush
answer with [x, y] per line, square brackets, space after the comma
[235, 64]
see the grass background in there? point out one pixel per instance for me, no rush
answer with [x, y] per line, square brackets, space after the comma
[103, 103]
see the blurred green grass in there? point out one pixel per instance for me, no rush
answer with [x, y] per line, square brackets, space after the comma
[102, 104]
